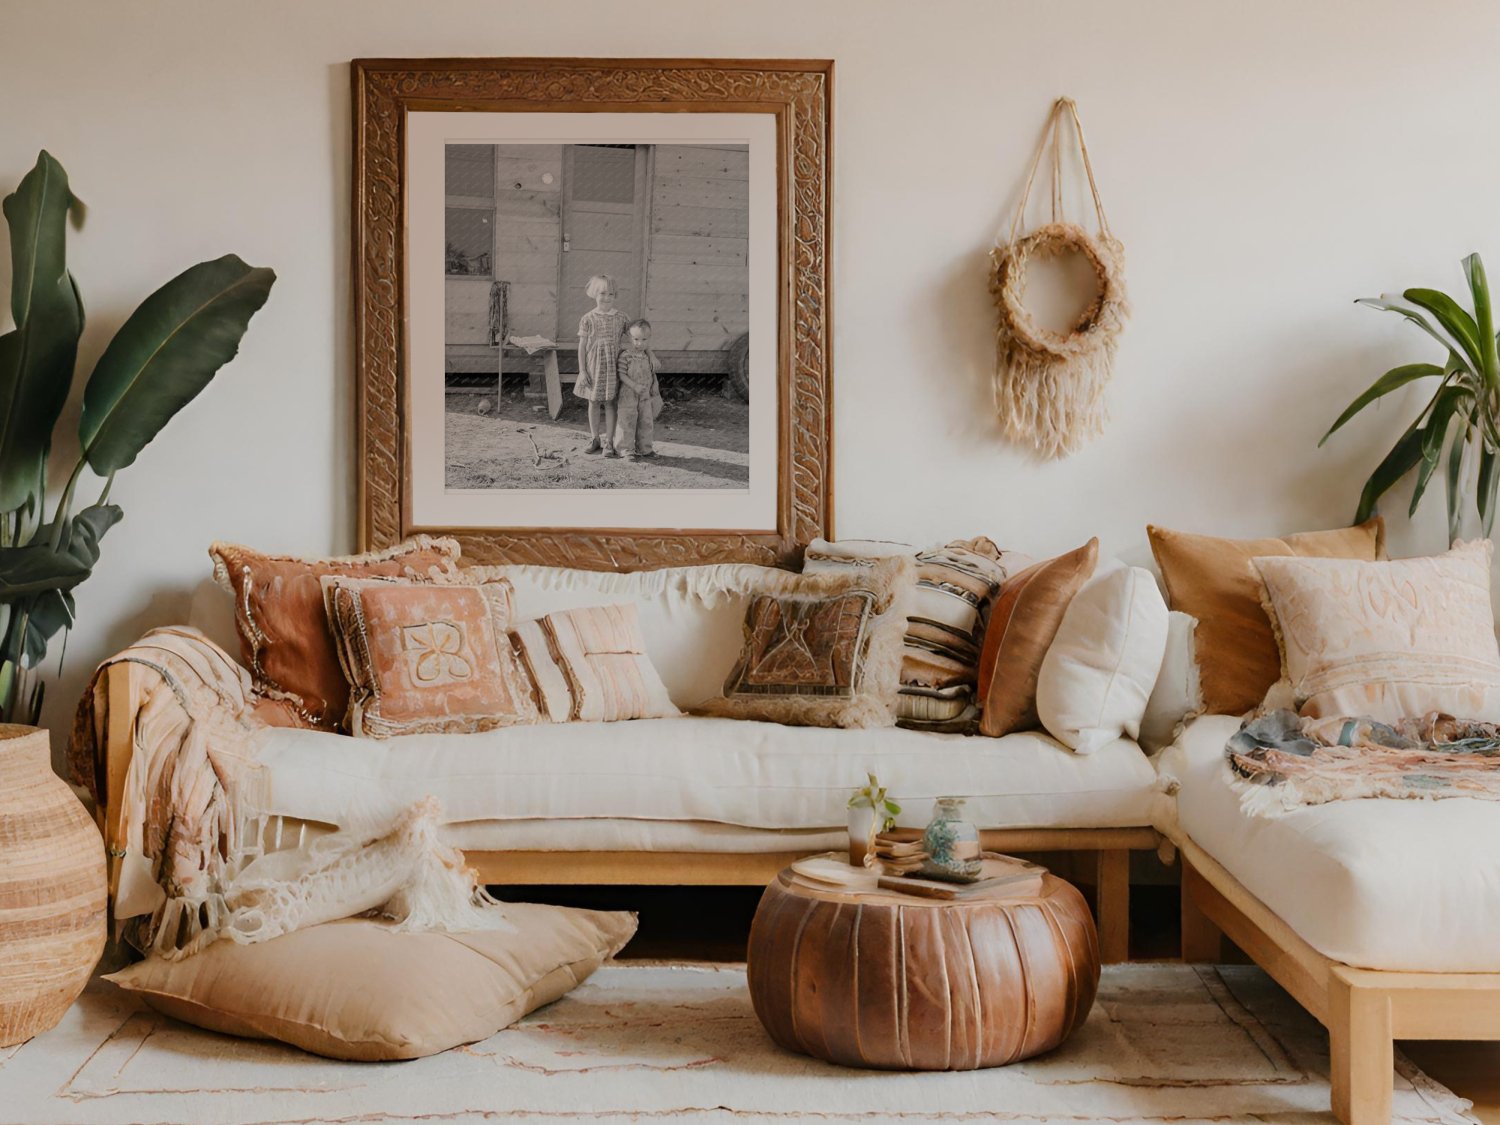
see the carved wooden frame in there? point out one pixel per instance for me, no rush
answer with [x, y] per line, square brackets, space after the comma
[796, 91]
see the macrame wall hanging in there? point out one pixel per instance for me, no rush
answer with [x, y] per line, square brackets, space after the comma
[1049, 386]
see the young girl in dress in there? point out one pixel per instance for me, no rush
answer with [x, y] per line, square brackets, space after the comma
[599, 335]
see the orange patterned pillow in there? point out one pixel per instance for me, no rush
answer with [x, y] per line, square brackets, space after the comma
[284, 635]
[424, 657]
[590, 665]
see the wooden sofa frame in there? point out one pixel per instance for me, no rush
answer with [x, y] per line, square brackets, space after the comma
[1364, 1010]
[1111, 846]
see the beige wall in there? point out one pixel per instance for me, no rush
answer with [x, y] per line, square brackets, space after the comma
[1264, 163]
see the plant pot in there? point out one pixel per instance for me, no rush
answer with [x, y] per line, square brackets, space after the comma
[53, 891]
[861, 829]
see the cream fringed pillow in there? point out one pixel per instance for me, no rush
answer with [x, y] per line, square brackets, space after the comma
[1388, 640]
[823, 649]
[427, 657]
[590, 665]
[356, 990]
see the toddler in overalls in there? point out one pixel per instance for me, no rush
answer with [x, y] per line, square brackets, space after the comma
[640, 393]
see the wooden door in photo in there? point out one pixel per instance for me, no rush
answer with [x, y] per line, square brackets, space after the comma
[603, 220]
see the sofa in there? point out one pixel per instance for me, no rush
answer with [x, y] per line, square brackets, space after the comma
[689, 800]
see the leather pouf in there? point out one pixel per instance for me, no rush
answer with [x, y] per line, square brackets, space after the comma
[896, 982]
[52, 888]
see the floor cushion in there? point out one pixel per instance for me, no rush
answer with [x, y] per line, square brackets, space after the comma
[357, 990]
[1377, 883]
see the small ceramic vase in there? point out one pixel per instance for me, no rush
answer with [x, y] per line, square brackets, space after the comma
[951, 843]
[861, 832]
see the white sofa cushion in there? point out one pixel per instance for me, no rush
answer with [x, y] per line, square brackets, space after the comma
[731, 771]
[1378, 884]
[1101, 665]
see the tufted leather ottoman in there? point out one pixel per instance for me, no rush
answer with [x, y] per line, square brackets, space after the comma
[881, 979]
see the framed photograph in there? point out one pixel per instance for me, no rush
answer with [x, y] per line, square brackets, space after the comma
[591, 307]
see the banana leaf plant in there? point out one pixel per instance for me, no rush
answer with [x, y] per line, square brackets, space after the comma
[1457, 428]
[164, 354]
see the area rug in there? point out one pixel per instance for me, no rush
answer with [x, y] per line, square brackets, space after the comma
[647, 1042]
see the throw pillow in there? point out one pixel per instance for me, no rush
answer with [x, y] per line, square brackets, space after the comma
[1177, 695]
[285, 640]
[1099, 670]
[1388, 640]
[956, 585]
[823, 649]
[1213, 580]
[590, 665]
[1026, 617]
[423, 657]
[356, 990]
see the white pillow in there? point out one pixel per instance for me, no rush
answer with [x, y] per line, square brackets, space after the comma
[1098, 674]
[1178, 694]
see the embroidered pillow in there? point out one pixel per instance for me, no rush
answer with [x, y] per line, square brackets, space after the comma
[424, 657]
[284, 634]
[1214, 580]
[956, 584]
[590, 665]
[1387, 640]
[823, 649]
[1023, 623]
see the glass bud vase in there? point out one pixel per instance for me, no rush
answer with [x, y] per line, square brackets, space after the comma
[951, 843]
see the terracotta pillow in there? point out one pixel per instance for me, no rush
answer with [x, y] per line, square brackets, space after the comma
[357, 990]
[824, 649]
[285, 640]
[590, 665]
[1026, 617]
[1388, 640]
[1214, 580]
[427, 657]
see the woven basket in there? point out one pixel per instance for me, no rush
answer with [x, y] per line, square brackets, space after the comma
[52, 889]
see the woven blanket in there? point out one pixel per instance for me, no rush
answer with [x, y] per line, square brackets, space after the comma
[196, 859]
[1280, 761]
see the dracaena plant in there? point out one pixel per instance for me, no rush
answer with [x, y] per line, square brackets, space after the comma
[1457, 427]
[162, 356]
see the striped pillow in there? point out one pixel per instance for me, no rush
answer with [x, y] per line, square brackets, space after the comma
[956, 583]
[590, 665]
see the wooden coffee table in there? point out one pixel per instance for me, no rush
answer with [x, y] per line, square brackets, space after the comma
[877, 978]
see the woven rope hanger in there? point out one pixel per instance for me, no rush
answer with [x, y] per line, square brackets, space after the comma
[1049, 386]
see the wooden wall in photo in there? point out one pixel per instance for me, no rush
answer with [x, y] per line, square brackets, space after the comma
[696, 276]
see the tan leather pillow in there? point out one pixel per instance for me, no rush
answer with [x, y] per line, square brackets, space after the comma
[357, 990]
[285, 640]
[1023, 622]
[427, 657]
[1214, 580]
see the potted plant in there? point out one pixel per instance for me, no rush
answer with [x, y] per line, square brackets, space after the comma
[1457, 427]
[164, 354]
[871, 811]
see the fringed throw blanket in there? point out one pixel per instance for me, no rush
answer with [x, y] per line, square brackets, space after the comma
[1281, 761]
[191, 842]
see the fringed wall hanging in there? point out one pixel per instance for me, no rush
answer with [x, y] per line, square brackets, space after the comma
[1049, 386]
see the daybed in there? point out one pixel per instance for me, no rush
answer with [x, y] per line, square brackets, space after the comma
[1378, 915]
[671, 801]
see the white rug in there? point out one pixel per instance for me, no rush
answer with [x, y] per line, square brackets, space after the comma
[646, 1042]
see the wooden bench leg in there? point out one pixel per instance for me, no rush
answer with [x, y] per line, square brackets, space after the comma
[1112, 886]
[1202, 941]
[1361, 1052]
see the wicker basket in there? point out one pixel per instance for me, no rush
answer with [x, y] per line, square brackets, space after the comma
[52, 889]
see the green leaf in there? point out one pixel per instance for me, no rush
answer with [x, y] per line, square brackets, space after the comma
[1392, 303]
[1454, 319]
[35, 568]
[1484, 316]
[1455, 475]
[1402, 458]
[37, 356]
[82, 534]
[1446, 403]
[1488, 480]
[168, 351]
[1392, 380]
[51, 612]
